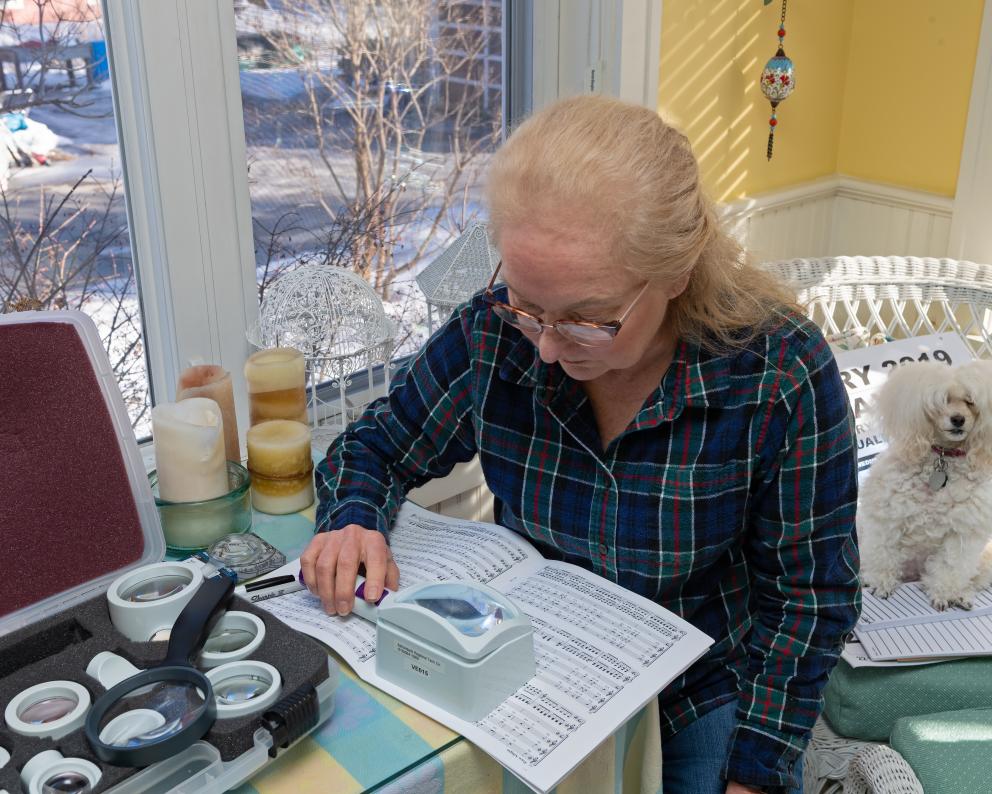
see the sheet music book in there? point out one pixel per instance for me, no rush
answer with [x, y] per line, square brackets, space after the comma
[854, 654]
[906, 626]
[602, 651]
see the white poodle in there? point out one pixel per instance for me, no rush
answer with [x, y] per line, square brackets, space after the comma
[926, 506]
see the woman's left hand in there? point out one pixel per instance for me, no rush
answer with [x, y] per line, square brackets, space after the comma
[740, 788]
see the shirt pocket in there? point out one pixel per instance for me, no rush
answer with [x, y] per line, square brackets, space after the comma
[695, 522]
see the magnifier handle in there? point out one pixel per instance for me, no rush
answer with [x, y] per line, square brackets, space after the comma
[362, 607]
[194, 623]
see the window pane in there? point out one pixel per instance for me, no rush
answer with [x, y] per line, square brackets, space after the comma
[369, 124]
[63, 226]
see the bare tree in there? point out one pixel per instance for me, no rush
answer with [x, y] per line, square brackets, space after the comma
[66, 258]
[354, 234]
[395, 105]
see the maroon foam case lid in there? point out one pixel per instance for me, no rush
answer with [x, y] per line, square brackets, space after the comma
[74, 500]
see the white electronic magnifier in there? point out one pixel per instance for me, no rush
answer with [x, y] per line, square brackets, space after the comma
[460, 645]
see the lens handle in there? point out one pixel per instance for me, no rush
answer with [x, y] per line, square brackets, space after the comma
[188, 635]
[197, 619]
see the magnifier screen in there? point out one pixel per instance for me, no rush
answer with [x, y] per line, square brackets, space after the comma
[472, 612]
[151, 714]
[240, 688]
[228, 640]
[41, 712]
[155, 589]
[66, 781]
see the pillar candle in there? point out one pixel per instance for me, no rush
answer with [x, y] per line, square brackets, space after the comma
[189, 450]
[210, 380]
[281, 466]
[277, 385]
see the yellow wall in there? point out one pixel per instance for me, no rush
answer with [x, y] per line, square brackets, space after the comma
[907, 91]
[882, 90]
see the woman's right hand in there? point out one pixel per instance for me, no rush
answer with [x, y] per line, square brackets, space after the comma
[330, 565]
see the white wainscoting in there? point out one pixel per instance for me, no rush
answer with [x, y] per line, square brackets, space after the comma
[842, 216]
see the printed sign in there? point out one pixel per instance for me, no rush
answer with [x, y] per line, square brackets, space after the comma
[866, 368]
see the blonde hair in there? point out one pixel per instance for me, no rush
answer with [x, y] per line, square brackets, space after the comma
[632, 180]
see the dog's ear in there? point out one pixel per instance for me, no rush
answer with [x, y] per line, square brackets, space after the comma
[976, 378]
[905, 402]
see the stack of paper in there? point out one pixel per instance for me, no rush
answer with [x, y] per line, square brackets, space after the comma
[905, 628]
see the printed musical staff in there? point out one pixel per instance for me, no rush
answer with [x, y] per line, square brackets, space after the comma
[608, 616]
[531, 724]
[301, 610]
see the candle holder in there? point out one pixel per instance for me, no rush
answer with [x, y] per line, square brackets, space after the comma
[277, 385]
[335, 318]
[281, 467]
[191, 526]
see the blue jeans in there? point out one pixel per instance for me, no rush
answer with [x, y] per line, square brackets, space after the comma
[692, 759]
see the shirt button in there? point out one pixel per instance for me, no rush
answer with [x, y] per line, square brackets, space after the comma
[604, 549]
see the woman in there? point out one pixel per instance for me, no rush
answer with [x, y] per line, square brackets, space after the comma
[647, 404]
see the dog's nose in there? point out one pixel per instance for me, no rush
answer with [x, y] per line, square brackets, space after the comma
[957, 420]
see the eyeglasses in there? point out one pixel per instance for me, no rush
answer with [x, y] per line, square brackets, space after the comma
[582, 333]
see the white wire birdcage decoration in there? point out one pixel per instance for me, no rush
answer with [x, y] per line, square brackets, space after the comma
[461, 270]
[334, 317]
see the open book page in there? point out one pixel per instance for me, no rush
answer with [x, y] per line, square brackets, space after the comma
[427, 548]
[602, 652]
[906, 626]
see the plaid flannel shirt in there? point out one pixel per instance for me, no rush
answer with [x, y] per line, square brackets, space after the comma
[730, 500]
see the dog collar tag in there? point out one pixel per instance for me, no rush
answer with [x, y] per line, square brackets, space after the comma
[938, 477]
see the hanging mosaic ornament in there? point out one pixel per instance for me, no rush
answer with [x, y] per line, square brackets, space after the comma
[777, 80]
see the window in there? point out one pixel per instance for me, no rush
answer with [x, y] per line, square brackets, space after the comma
[368, 125]
[63, 224]
[182, 128]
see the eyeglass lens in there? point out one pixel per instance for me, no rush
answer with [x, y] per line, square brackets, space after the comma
[581, 334]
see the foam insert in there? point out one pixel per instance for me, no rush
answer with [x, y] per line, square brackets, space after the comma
[60, 647]
[67, 513]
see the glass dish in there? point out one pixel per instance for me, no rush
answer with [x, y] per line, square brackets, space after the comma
[191, 526]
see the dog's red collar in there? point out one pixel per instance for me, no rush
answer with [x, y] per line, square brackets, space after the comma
[951, 453]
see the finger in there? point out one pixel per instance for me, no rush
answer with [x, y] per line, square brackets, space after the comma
[326, 569]
[308, 561]
[377, 559]
[349, 556]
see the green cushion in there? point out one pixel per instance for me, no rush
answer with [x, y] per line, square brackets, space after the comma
[950, 752]
[865, 703]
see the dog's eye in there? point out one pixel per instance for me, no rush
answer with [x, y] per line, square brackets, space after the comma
[969, 403]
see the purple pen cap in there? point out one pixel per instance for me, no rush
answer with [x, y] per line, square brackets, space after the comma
[359, 592]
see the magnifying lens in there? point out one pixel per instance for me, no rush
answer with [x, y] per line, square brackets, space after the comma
[4, 757]
[236, 636]
[161, 711]
[51, 709]
[146, 601]
[244, 687]
[49, 772]
[461, 645]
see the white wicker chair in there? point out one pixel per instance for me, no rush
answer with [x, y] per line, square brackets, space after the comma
[899, 297]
